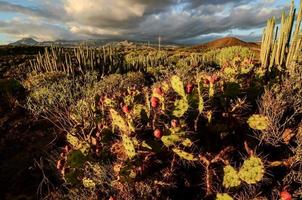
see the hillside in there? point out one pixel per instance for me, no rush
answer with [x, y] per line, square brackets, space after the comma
[25, 42]
[225, 42]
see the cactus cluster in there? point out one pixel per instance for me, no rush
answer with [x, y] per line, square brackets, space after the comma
[251, 172]
[280, 50]
[183, 113]
[106, 60]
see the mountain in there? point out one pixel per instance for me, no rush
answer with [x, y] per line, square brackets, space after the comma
[225, 42]
[89, 42]
[25, 42]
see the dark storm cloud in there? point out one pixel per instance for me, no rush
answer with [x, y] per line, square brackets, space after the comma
[174, 20]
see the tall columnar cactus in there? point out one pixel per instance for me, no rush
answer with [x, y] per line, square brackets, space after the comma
[267, 41]
[296, 44]
[281, 49]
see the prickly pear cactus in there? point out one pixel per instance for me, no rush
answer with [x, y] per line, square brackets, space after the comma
[75, 159]
[252, 170]
[230, 178]
[181, 107]
[76, 144]
[200, 104]
[88, 183]
[178, 86]
[223, 196]
[129, 146]
[137, 110]
[118, 120]
[200, 97]
[109, 103]
[73, 140]
[170, 140]
[184, 155]
[258, 122]
[211, 90]
[210, 116]
[187, 142]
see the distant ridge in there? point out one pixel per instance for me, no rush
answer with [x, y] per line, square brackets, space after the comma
[89, 42]
[225, 42]
[25, 42]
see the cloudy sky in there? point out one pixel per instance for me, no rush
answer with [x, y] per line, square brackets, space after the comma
[181, 21]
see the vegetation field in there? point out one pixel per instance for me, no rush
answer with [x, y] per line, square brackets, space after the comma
[220, 120]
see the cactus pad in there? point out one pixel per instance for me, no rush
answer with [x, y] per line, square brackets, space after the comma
[252, 170]
[200, 104]
[109, 103]
[184, 155]
[178, 86]
[75, 159]
[77, 144]
[230, 178]
[129, 146]
[73, 140]
[187, 142]
[181, 107]
[118, 121]
[88, 183]
[170, 140]
[211, 90]
[258, 122]
[223, 196]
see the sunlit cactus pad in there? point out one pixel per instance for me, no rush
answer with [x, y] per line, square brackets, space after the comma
[252, 170]
[230, 178]
[223, 196]
[258, 122]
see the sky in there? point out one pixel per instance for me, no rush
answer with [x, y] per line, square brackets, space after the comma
[178, 21]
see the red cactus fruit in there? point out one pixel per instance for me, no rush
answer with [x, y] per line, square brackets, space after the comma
[174, 123]
[285, 195]
[157, 133]
[189, 88]
[206, 81]
[154, 102]
[126, 109]
[158, 91]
